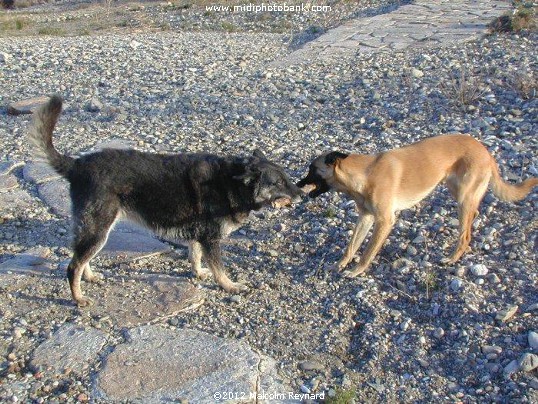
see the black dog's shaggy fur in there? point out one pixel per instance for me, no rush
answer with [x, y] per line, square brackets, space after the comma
[195, 197]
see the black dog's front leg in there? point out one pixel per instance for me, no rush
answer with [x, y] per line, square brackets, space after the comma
[213, 256]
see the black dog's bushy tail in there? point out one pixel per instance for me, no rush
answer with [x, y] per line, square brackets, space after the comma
[40, 134]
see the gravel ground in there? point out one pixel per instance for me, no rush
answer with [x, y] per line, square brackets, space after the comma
[411, 330]
[69, 17]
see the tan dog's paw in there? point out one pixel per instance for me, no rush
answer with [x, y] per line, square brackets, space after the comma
[204, 274]
[340, 266]
[95, 277]
[353, 274]
[84, 302]
[237, 287]
[446, 261]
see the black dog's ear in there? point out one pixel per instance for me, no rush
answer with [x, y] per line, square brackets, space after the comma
[250, 175]
[333, 157]
[258, 153]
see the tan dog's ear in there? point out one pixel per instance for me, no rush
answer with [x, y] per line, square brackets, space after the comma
[333, 157]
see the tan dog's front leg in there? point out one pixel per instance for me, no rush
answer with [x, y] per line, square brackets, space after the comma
[382, 229]
[363, 226]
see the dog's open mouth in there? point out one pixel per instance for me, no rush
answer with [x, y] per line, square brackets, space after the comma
[281, 202]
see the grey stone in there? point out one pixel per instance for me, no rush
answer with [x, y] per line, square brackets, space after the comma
[39, 172]
[94, 105]
[142, 299]
[31, 262]
[7, 166]
[438, 333]
[417, 73]
[532, 337]
[479, 270]
[506, 314]
[510, 369]
[528, 362]
[159, 364]
[56, 195]
[491, 349]
[71, 348]
[132, 245]
[14, 199]
[5, 57]
[27, 106]
[8, 182]
[456, 284]
[310, 365]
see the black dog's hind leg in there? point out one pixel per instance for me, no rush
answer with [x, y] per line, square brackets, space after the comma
[213, 256]
[91, 234]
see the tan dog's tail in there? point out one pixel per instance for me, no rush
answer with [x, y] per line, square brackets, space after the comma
[510, 192]
[40, 134]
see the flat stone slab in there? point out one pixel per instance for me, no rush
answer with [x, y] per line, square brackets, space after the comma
[442, 23]
[8, 182]
[27, 106]
[158, 365]
[7, 166]
[132, 245]
[142, 299]
[14, 199]
[39, 172]
[56, 195]
[31, 261]
[72, 348]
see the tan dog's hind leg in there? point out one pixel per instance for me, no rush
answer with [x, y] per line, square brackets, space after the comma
[363, 226]
[469, 196]
[195, 258]
[382, 227]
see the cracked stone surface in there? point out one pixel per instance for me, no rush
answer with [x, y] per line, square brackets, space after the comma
[420, 24]
[157, 364]
[72, 348]
[142, 299]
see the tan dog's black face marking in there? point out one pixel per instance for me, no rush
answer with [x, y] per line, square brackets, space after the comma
[320, 173]
[398, 179]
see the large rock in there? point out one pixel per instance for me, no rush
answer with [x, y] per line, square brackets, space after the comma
[8, 182]
[27, 106]
[56, 195]
[132, 243]
[31, 261]
[142, 299]
[39, 172]
[158, 365]
[14, 200]
[72, 348]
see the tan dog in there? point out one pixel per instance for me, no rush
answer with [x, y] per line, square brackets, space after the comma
[385, 183]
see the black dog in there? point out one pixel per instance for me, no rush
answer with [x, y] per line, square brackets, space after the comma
[195, 197]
